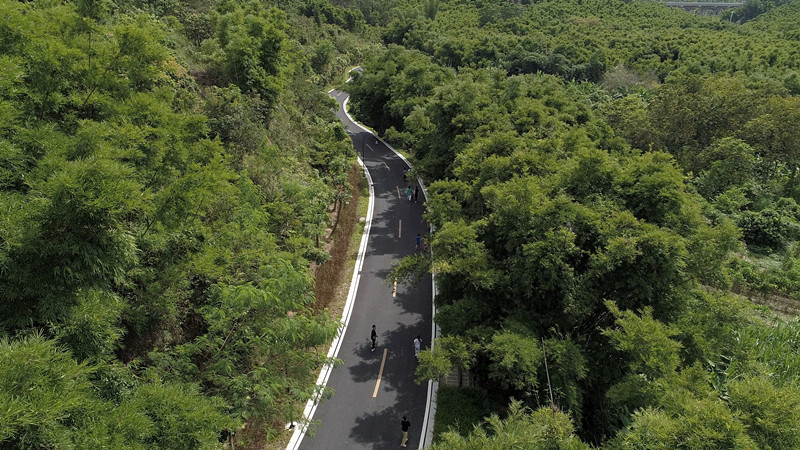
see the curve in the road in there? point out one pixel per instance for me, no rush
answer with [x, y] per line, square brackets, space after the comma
[352, 419]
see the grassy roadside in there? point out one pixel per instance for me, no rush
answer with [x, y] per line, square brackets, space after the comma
[359, 209]
[344, 243]
[459, 410]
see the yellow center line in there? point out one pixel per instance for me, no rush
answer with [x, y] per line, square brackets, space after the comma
[387, 166]
[400, 229]
[398, 191]
[380, 374]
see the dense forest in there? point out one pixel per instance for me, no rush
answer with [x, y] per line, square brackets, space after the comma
[615, 200]
[166, 171]
[614, 191]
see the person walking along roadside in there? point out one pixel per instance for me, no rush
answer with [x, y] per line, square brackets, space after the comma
[417, 346]
[416, 193]
[409, 194]
[374, 337]
[404, 425]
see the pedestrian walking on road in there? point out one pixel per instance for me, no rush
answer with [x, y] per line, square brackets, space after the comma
[404, 424]
[416, 193]
[374, 337]
[419, 242]
[417, 346]
[410, 194]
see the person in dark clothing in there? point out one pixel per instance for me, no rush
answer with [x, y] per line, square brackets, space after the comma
[374, 337]
[404, 425]
[416, 193]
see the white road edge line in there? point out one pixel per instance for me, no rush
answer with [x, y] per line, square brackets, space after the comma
[325, 373]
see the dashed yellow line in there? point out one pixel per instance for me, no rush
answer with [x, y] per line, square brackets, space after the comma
[380, 374]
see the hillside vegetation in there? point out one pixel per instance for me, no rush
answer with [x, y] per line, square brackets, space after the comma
[612, 185]
[166, 170]
[607, 177]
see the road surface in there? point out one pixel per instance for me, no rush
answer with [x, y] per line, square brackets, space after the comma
[375, 389]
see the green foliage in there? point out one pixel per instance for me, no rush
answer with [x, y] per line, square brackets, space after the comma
[432, 366]
[540, 429]
[772, 135]
[539, 221]
[515, 361]
[764, 349]
[566, 369]
[552, 197]
[179, 417]
[653, 353]
[322, 11]
[253, 353]
[41, 387]
[730, 164]
[410, 269]
[462, 256]
[76, 236]
[459, 410]
[249, 48]
[765, 228]
[704, 334]
[768, 411]
[165, 177]
[91, 328]
[157, 222]
[703, 424]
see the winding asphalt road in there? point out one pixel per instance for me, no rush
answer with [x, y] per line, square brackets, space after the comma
[373, 390]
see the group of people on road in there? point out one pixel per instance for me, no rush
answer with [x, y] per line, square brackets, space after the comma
[412, 194]
[373, 336]
[421, 244]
